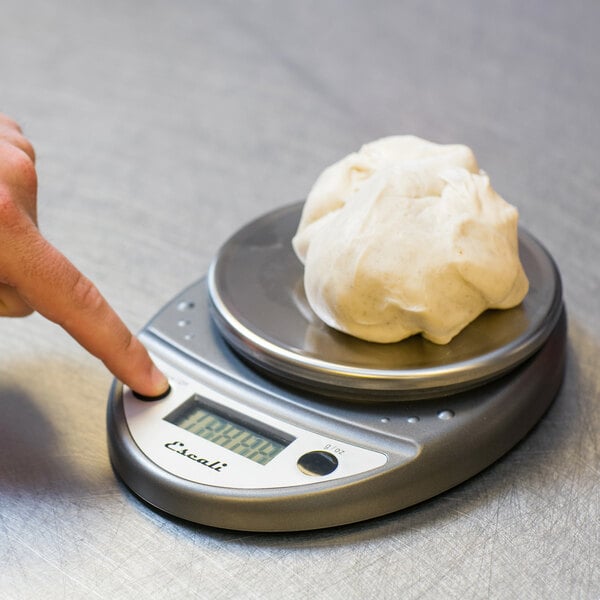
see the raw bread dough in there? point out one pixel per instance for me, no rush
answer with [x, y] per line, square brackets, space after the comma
[405, 237]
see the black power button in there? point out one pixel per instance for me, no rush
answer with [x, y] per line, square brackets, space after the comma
[317, 463]
[152, 398]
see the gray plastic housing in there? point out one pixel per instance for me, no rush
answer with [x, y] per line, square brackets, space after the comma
[431, 444]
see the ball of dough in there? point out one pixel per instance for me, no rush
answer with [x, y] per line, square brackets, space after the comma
[406, 237]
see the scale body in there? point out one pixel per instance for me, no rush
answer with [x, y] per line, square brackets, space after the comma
[275, 422]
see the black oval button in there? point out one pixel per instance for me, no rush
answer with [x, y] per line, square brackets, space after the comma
[152, 398]
[317, 463]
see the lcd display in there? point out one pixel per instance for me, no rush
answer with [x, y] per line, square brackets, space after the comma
[233, 431]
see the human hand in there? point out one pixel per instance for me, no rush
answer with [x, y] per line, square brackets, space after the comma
[36, 276]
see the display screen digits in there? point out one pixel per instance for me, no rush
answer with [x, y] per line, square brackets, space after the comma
[254, 441]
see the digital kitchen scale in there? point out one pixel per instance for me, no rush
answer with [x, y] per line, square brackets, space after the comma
[275, 422]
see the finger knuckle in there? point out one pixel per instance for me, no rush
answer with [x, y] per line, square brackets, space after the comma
[18, 167]
[9, 122]
[127, 342]
[26, 146]
[9, 211]
[86, 295]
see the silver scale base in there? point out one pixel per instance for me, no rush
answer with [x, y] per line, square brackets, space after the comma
[440, 413]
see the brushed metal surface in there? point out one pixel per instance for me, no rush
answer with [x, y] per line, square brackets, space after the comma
[160, 130]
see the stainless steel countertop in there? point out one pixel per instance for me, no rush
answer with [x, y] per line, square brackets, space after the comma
[161, 128]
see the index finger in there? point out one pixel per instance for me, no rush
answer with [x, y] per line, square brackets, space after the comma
[55, 288]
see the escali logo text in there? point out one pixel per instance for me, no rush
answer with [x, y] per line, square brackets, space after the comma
[179, 448]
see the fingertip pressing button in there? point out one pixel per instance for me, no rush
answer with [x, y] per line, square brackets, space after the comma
[152, 398]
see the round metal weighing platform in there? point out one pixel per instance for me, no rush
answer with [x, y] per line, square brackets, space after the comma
[257, 295]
